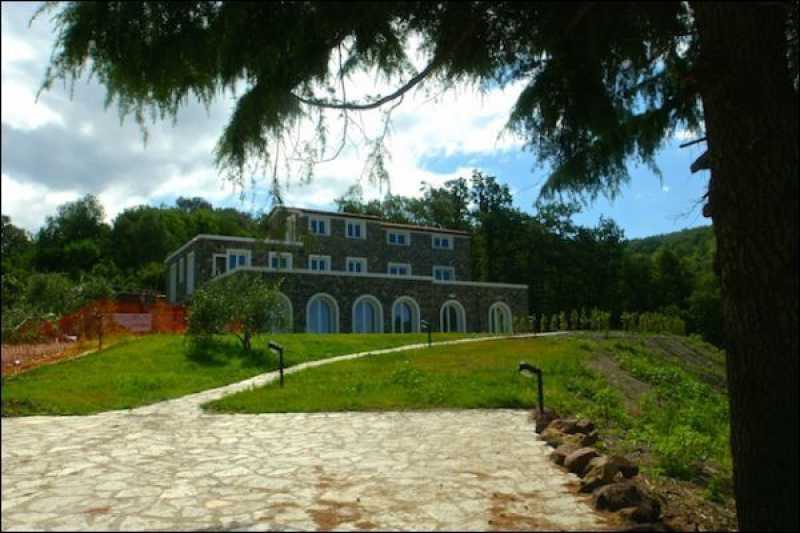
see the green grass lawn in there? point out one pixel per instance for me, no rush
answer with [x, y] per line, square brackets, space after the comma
[157, 367]
[479, 375]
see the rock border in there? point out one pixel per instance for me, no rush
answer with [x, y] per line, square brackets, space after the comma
[612, 480]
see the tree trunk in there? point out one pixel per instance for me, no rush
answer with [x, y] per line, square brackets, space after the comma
[751, 122]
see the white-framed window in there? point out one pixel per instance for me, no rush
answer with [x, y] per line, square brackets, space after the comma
[219, 264]
[280, 260]
[190, 273]
[444, 273]
[319, 225]
[180, 270]
[356, 264]
[399, 269]
[355, 229]
[442, 242]
[399, 238]
[319, 263]
[238, 258]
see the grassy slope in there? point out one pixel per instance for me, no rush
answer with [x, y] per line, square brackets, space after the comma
[154, 368]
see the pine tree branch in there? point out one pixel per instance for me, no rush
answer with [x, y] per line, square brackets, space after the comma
[377, 103]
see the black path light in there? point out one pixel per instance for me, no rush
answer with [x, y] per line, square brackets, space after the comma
[427, 327]
[529, 370]
[277, 348]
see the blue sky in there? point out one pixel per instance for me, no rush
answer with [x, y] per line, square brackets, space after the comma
[63, 146]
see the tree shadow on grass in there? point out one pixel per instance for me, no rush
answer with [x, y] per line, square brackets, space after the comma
[211, 351]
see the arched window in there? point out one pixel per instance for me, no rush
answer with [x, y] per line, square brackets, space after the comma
[452, 317]
[500, 319]
[286, 312]
[322, 314]
[405, 315]
[367, 315]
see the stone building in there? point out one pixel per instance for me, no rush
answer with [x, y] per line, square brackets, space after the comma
[343, 272]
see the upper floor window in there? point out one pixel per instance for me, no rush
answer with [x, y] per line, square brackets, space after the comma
[356, 264]
[442, 273]
[280, 260]
[402, 238]
[355, 229]
[319, 225]
[319, 263]
[442, 242]
[238, 258]
[399, 269]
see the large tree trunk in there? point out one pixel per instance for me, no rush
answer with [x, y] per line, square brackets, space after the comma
[751, 122]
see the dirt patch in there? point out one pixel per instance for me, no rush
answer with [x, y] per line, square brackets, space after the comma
[503, 517]
[98, 510]
[709, 367]
[335, 513]
[687, 509]
[631, 388]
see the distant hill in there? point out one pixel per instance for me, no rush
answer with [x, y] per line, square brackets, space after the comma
[697, 245]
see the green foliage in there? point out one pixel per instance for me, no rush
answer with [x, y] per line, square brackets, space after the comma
[600, 320]
[630, 321]
[661, 323]
[545, 323]
[244, 304]
[574, 319]
[555, 323]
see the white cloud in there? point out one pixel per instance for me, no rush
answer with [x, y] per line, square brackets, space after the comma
[665, 188]
[29, 204]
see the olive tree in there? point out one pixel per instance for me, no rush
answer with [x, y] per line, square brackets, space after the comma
[244, 304]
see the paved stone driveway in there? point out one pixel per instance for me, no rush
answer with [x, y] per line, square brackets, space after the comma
[169, 467]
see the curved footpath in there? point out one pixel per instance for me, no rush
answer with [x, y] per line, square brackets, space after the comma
[169, 466]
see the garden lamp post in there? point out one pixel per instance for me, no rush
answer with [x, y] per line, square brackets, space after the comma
[529, 370]
[427, 327]
[277, 348]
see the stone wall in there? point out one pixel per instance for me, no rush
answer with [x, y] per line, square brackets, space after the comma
[430, 297]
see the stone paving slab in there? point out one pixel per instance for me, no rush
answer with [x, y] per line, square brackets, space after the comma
[436, 470]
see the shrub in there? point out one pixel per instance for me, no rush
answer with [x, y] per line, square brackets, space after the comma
[545, 323]
[562, 321]
[574, 320]
[555, 323]
[243, 304]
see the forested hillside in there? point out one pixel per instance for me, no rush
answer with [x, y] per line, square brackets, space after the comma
[571, 269]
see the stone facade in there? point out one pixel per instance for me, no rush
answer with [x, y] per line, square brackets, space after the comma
[300, 284]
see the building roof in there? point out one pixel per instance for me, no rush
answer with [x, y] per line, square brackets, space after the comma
[383, 222]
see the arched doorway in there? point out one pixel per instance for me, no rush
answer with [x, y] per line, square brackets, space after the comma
[284, 324]
[322, 314]
[367, 315]
[452, 317]
[500, 319]
[405, 315]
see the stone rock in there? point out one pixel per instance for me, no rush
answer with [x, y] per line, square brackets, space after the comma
[584, 426]
[577, 461]
[559, 454]
[600, 471]
[628, 494]
[553, 437]
[606, 470]
[626, 467]
[588, 439]
[544, 418]
[564, 425]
